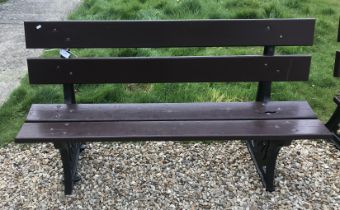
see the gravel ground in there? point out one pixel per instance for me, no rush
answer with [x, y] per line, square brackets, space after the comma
[149, 175]
[12, 42]
[159, 175]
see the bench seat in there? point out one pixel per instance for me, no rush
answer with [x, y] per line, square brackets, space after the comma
[171, 121]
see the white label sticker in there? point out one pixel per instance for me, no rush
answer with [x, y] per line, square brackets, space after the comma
[64, 53]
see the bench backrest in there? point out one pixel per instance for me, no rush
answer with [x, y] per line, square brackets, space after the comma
[165, 34]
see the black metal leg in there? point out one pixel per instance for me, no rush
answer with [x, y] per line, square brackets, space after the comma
[336, 141]
[69, 155]
[334, 125]
[264, 154]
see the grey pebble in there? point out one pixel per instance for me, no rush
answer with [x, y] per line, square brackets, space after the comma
[170, 175]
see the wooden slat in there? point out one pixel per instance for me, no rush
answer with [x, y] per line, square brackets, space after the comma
[170, 111]
[337, 65]
[172, 130]
[169, 69]
[339, 31]
[183, 33]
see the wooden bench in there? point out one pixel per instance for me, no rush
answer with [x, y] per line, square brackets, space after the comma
[333, 123]
[265, 125]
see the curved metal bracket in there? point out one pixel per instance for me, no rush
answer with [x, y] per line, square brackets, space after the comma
[69, 155]
[264, 154]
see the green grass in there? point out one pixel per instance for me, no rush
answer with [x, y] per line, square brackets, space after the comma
[2, 1]
[319, 90]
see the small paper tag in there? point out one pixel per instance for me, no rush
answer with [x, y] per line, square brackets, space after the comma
[64, 53]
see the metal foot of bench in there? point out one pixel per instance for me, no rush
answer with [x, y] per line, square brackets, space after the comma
[264, 154]
[336, 141]
[69, 155]
[82, 148]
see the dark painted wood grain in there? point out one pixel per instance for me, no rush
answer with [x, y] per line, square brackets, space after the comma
[337, 65]
[170, 33]
[169, 69]
[172, 130]
[170, 111]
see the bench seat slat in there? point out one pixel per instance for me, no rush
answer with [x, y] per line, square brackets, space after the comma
[168, 69]
[170, 111]
[173, 130]
[168, 33]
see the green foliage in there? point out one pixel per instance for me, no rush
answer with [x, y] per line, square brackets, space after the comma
[319, 90]
[248, 14]
[328, 11]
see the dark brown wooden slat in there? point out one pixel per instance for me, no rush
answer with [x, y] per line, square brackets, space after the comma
[339, 31]
[170, 111]
[172, 130]
[183, 33]
[337, 65]
[169, 69]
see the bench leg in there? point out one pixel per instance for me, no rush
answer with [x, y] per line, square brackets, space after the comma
[264, 154]
[334, 125]
[82, 148]
[69, 155]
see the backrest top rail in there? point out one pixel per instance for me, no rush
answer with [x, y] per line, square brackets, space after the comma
[169, 33]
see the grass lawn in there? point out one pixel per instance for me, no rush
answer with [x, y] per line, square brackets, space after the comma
[318, 91]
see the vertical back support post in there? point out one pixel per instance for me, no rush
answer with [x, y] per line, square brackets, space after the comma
[69, 96]
[69, 152]
[264, 153]
[264, 87]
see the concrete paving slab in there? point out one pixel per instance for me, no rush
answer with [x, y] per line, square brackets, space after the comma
[13, 52]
